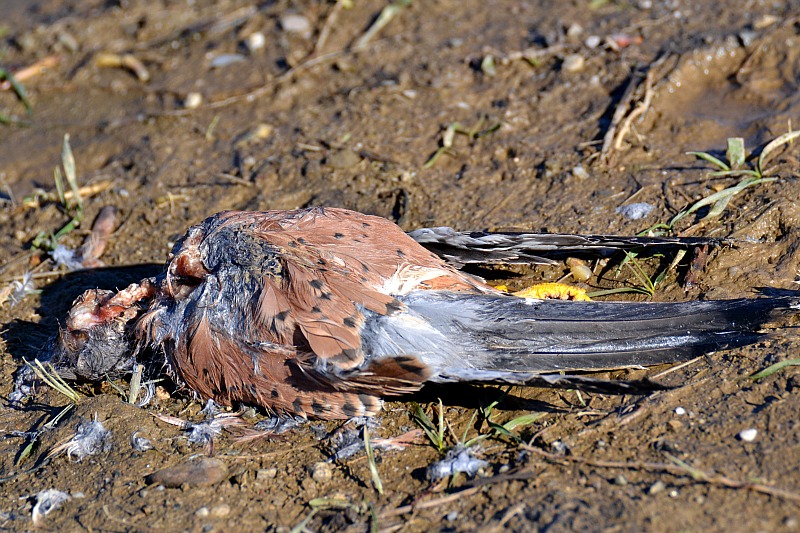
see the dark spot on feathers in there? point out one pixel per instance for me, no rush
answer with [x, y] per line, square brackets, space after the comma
[326, 296]
[316, 283]
[316, 309]
[319, 408]
[400, 253]
[393, 306]
[366, 400]
[366, 225]
[322, 262]
[274, 393]
[350, 410]
[407, 363]
[364, 267]
[350, 354]
[302, 240]
[350, 322]
[281, 315]
[338, 235]
[292, 244]
[297, 405]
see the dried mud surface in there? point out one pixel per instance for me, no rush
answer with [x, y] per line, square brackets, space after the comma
[305, 121]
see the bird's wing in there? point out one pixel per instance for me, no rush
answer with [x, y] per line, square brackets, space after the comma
[483, 247]
[334, 266]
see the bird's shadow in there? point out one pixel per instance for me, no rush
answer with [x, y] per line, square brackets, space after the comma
[29, 340]
[472, 396]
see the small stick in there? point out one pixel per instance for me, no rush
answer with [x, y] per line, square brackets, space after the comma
[677, 468]
[397, 511]
[326, 28]
[619, 115]
[30, 71]
[639, 110]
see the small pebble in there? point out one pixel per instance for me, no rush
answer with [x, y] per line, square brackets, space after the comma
[765, 21]
[675, 424]
[220, 511]
[747, 37]
[322, 472]
[748, 435]
[580, 172]
[573, 63]
[202, 512]
[680, 411]
[656, 487]
[68, 41]
[592, 42]
[206, 471]
[579, 269]
[559, 447]
[255, 41]
[343, 159]
[224, 60]
[620, 480]
[635, 211]
[296, 24]
[266, 473]
[574, 31]
[193, 100]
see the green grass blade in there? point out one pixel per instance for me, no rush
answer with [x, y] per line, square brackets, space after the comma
[436, 438]
[68, 162]
[773, 145]
[735, 152]
[19, 89]
[524, 420]
[373, 468]
[772, 369]
[711, 159]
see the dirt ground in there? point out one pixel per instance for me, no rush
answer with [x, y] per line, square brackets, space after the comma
[569, 110]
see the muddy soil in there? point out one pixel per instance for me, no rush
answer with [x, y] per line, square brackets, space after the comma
[570, 110]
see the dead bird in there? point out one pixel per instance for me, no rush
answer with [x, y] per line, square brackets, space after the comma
[323, 312]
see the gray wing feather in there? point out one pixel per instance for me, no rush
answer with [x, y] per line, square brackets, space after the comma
[460, 248]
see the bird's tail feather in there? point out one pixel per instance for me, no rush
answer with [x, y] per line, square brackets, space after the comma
[488, 338]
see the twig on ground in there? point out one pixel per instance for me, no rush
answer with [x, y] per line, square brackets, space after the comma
[397, 511]
[325, 32]
[26, 73]
[676, 467]
[619, 114]
[637, 111]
